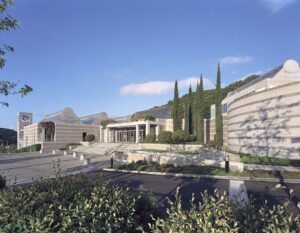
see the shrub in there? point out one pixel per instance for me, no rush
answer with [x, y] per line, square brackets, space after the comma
[32, 148]
[3, 149]
[74, 204]
[142, 116]
[2, 182]
[180, 136]
[211, 143]
[216, 213]
[165, 137]
[150, 138]
[104, 123]
[192, 137]
[90, 137]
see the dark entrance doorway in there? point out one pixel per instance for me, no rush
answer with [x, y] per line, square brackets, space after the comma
[84, 136]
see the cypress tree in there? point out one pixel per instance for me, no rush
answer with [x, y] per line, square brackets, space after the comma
[196, 112]
[218, 103]
[188, 112]
[175, 110]
[200, 101]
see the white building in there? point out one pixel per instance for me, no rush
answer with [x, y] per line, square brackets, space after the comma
[263, 116]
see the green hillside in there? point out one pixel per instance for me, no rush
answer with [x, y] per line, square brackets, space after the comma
[8, 136]
[164, 111]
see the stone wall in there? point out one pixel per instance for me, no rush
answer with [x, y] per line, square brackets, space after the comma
[204, 158]
[267, 122]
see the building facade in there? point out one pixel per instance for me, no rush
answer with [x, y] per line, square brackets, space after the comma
[134, 131]
[263, 117]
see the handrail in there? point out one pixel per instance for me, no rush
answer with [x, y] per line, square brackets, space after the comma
[108, 153]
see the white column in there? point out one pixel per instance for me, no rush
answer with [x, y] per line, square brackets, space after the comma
[137, 133]
[107, 134]
[147, 128]
[157, 129]
[43, 135]
[100, 135]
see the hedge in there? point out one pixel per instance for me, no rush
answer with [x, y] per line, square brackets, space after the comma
[217, 213]
[79, 204]
[74, 204]
[180, 136]
[32, 148]
[165, 137]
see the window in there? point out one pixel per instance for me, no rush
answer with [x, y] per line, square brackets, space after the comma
[224, 108]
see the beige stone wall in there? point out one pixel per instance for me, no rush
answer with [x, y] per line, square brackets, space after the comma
[67, 133]
[31, 135]
[175, 147]
[165, 124]
[212, 128]
[267, 122]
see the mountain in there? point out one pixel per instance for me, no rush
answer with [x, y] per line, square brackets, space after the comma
[8, 136]
[165, 111]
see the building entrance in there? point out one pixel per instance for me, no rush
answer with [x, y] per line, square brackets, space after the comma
[128, 135]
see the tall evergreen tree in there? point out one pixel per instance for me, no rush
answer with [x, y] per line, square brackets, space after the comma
[200, 100]
[196, 111]
[175, 110]
[188, 112]
[218, 104]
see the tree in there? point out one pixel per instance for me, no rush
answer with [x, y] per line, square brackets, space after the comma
[7, 23]
[188, 112]
[200, 117]
[218, 104]
[175, 110]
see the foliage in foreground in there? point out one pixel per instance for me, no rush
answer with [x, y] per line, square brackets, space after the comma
[216, 213]
[73, 204]
[79, 204]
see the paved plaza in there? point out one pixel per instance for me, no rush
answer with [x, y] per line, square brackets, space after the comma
[23, 167]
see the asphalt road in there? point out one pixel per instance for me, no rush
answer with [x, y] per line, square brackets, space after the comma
[23, 167]
[26, 166]
[163, 187]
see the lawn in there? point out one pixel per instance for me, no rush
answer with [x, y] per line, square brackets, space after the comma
[170, 151]
[204, 170]
[269, 161]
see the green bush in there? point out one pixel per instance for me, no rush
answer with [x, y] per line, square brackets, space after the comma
[32, 148]
[150, 138]
[165, 137]
[104, 123]
[2, 182]
[74, 204]
[192, 137]
[90, 138]
[3, 149]
[180, 136]
[210, 144]
[216, 213]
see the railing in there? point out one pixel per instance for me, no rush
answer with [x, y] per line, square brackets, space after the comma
[111, 151]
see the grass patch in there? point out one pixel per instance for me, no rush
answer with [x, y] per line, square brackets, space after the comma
[204, 170]
[170, 151]
[269, 161]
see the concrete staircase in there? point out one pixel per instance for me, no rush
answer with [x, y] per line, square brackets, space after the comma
[106, 148]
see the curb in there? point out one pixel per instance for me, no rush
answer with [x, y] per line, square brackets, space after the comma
[244, 178]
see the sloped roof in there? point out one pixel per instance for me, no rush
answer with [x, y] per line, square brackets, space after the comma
[94, 119]
[68, 116]
[269, 74]
[65, 116]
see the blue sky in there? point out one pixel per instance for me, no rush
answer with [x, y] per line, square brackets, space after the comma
[123, 56]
